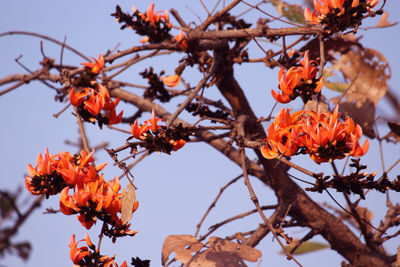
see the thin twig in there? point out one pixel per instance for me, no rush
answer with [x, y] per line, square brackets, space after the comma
[221, 190]
[192, 95]
[82, 131]
[241, 133]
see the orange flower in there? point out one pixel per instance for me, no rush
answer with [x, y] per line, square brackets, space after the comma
[92, 200]
[153, 122]
[324, 8]
[82, 256]
[321, 135]
[76, 98]
[77, 254]
[138, 131]
[171, 80]
[298, 81]
[180, 39]
[283, 136]
[44, 179]
[176, 145]
[96, 67]
[154, 18]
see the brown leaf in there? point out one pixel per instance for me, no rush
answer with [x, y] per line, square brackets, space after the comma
[210, 258]
[224, 253]
[384, 22]
[245, 252]
[127, 200]
[395, 127]
[331, 46]
[363, 113]
[292, 12]
[182, 245]
[368, 70]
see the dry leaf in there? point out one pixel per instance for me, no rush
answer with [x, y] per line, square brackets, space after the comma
[384, 22]
[293, 13]
[128, 200]
[395, 127]
[367, 70]
[313, 104]
[333, 45]
[224, 253]
[182, 245]
[245, 252]
[363, 113]
[211, 258]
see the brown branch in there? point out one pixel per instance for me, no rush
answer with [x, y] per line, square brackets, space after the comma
[241, 133]
[85, 142]
[46, 38]
[263, 31]
[217, 15]
[21, 219]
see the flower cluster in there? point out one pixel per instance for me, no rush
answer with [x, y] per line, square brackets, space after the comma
[321, 135]
[338, 15]
[91, 102]
[97, 67]
[180, 39]
[94, 198]
[298, 81]
[88, 256]
[156, 137]
[155, 26]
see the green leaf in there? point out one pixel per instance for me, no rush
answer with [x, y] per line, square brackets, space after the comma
[307, 247]
[293, 13]
[336, 86]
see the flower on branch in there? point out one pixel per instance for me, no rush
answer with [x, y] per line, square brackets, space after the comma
[171, 80]
[157, 137]
[96, 67]
[44, 178]
[155, 26]
[91, 102]
[96, 200]
[88, 256]
[298, 81]
[321, 135]
[181, 40]
[338, 15]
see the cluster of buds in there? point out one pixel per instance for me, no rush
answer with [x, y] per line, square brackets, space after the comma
[155, 136]
[298, 81]
[88, 255]
[154, 25]
[321, 135]
[94, 198]
[338, 15]
[91, 102]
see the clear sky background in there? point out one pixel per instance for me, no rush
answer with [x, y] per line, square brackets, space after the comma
[174, 191]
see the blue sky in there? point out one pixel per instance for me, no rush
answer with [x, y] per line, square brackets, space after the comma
[174, 191]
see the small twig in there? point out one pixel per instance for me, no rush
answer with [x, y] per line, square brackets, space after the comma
[241, 133]
[322, 61]
[46, 38]
[205, 8]
[82, 131]
[56, 115]
[214, 227]
[192, 95]
[133, 164]
[221, 190]
[220, 13]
